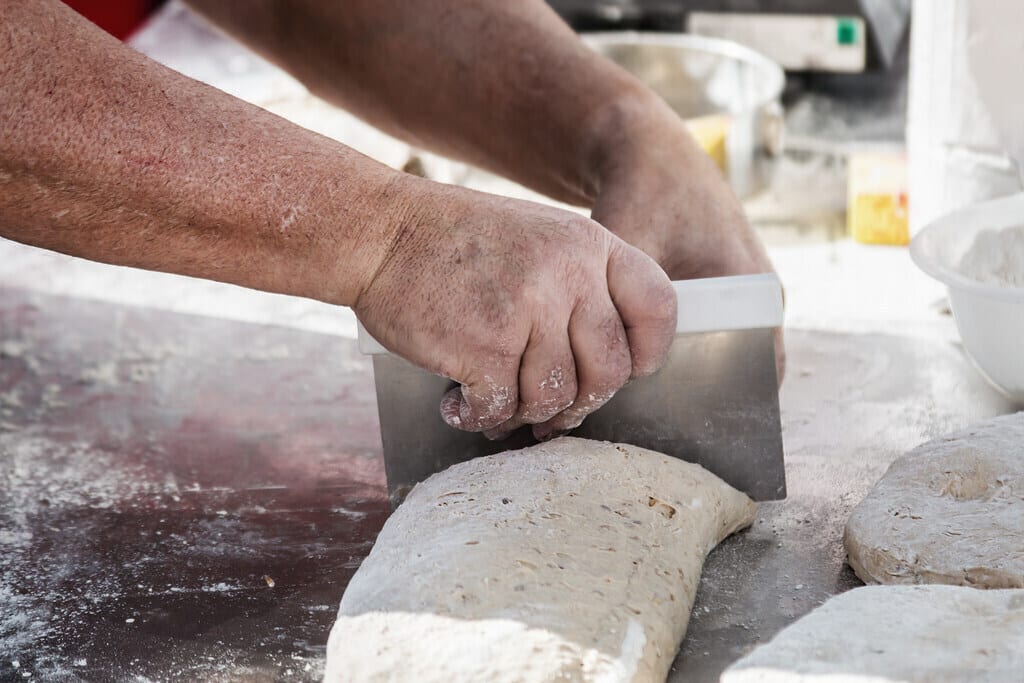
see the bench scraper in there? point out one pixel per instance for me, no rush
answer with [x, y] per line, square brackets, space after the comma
[714, 403]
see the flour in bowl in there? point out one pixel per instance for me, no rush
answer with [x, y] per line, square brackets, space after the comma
[996, 257]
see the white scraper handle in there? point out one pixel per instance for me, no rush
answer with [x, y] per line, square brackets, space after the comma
[739, 302]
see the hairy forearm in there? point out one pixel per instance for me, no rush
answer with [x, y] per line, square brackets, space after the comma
[504, 85]
[107, 155]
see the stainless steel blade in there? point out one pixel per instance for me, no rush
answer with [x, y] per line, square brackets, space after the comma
[714, 403]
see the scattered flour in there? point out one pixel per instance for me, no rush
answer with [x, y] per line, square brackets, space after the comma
[221, 587]
[22, 619]
[11, 399]
[38, 477]
[65, 475]
[10, 348]
[996, 257]
[103, 374]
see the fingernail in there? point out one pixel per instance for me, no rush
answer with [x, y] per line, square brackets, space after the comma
[496, 435]
[451, 404]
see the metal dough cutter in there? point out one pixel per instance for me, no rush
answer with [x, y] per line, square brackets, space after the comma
[715, 402]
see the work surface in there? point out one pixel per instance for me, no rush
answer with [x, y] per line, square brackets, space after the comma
[186, 498]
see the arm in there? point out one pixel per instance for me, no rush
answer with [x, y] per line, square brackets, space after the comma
[506, 85]
[106, 155]
[109, 156]
[503, 85]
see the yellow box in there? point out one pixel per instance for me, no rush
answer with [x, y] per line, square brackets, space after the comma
[876, 205]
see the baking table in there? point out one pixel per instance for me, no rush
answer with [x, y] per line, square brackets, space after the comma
[185, 498]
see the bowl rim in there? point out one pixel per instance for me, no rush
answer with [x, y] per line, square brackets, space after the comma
[726, 48]
[952, 278]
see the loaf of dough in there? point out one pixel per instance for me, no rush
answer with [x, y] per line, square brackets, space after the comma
[897, 634]
[950, 511]
[572, 560]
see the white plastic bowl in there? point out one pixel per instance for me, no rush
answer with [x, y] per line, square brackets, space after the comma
[990, 318]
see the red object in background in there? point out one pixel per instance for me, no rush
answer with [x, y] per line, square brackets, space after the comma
[119, 18]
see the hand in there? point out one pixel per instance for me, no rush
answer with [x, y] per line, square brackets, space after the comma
[539, 314]
[660, 192]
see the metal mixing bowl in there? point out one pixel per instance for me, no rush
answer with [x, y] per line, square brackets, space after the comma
[700, 77]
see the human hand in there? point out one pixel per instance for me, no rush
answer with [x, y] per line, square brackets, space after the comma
[661, 193]
[539, 314]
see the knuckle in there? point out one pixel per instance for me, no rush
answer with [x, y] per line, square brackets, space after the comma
[605, 379]
[623, 371]
[501, 406]
[600, 391]
[563, 403]
[598, 397]
[557, 380]
[649, 358]
[611, 381]
[545, 409]
[553, 393]
[503, 355]
[661, 302]
[616, 371]
[489, 404]
[565, 396]
[481, 424]
[615, 359]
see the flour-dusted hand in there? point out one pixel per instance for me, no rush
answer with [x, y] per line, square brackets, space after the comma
[539, 314]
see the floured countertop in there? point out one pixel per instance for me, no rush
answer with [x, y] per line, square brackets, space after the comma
[180, 497]
[184, 498]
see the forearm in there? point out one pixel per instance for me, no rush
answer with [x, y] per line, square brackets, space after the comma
[504, 85]
[106, 155]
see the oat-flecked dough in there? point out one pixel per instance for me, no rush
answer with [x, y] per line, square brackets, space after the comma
[950, 511]
[573, 560]
[897, 634]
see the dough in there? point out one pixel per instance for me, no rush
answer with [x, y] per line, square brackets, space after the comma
[890, 634]
[950, 511]
[573, 560]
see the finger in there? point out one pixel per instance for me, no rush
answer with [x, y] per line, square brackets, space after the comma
[547, 382]
[646, 302]
[601, 351]
[482, 404]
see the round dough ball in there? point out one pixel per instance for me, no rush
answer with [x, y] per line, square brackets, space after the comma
[950, 511]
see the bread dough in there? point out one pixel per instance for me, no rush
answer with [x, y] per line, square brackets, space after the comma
[572, 560]
[897, 634]
[950, 511]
